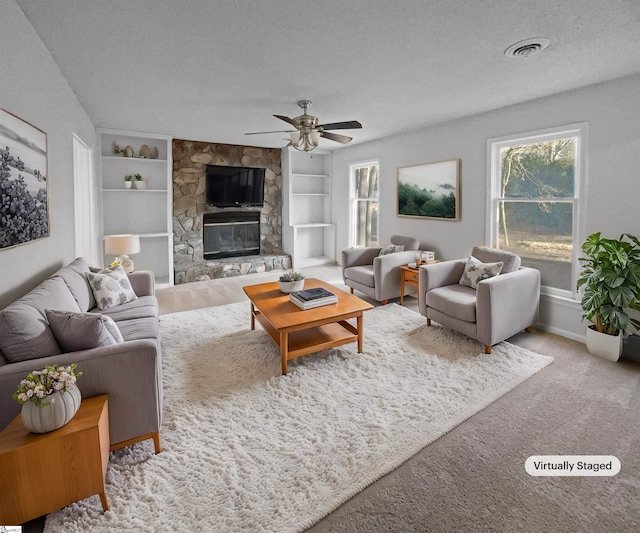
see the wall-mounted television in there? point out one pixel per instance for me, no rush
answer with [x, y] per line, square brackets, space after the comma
[234, 186]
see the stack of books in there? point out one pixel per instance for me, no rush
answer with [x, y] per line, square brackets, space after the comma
[310, 298]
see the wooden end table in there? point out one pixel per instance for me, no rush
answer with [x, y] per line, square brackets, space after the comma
[41, 473]
[408, 276]
[297, 332]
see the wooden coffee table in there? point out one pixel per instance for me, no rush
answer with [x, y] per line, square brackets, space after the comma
[297, 332]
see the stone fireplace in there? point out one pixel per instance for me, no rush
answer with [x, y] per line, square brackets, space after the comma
[190, 159]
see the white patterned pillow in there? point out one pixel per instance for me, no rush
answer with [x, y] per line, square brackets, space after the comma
[111, 287]
[391, 249]
[475, 271]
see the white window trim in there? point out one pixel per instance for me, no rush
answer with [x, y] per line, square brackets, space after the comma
[352, 195]
[495, 145]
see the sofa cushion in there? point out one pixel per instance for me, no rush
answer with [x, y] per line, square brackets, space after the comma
[74, 275]
[24, 330]
[475, 271]
[454, 300]
[111, 287]
[361, 274]
[511, 262]
[143, 307]
[82, 331]
[139, 328]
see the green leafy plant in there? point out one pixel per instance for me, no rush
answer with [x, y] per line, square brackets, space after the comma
[611, 279]
[133, 177]
[40, 384]
[291, 276]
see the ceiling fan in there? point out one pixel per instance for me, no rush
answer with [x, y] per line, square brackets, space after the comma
[308, 131]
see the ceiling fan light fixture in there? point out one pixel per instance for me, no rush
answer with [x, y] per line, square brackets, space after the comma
[305, 140]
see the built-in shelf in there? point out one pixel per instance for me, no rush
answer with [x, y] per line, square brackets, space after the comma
[308, 232]
[146, 212]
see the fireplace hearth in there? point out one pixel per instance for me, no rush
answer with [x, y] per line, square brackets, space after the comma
[231, 234]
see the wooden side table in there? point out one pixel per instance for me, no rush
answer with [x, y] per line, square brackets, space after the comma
[408, 276]
[41, 473]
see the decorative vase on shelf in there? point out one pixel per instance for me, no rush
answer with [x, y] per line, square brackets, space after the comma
[62, 407]
[140, 184]
[127, 185]
[128, 151]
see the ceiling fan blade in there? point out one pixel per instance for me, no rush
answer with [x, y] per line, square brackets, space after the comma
[261, 132]
[289, 120]
[348, 125]
[335, 137]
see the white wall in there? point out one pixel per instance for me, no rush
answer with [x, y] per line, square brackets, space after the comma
[612, 111]
[33, 88]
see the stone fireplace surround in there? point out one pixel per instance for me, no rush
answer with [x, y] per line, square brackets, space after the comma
[189, 161]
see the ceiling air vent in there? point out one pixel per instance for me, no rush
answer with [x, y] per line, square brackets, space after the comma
[527, 47]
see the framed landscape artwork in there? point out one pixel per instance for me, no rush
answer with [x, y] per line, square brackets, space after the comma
[431, 190]
[24, 208]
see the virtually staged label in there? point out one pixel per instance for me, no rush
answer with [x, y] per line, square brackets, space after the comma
[572, 465]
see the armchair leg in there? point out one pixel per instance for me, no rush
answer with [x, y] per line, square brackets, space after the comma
[487, 348]
[428, 321]
[528, 330]
[385, 302]
[351, 289]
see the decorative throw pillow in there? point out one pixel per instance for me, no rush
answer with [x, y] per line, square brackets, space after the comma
[475, 271]
[82, 331]
[111, 287]
[391, 249]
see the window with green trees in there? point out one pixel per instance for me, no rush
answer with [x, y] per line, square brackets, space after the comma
[535, 202]
[364, 204]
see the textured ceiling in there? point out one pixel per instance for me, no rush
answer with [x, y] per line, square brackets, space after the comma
[213, 70]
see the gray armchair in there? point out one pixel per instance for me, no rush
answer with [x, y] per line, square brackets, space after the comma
[500, 307]
[377, 276]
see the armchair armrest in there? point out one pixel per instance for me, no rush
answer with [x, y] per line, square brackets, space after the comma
[507, 304]
[437, 275]
[358, 256]
[142, 282]
[386, 272]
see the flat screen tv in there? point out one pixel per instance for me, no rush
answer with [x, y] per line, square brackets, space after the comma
[234, 186]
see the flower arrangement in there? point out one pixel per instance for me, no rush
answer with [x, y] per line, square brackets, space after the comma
[40, 384]
[291, 276]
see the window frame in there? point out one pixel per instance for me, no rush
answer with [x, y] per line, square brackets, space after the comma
[353, 199]
[495, 145]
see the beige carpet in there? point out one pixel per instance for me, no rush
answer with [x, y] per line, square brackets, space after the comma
[247, 449]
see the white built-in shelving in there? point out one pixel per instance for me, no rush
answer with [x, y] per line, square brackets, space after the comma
[308, 230]
[147, 211]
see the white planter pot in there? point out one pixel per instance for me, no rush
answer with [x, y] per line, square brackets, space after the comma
[61, 409]
[291, 286]
[603, 345]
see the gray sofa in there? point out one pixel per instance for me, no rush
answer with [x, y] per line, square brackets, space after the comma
[130, 372]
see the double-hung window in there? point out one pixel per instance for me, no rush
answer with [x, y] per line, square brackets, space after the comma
[363, 179]
[535, 189]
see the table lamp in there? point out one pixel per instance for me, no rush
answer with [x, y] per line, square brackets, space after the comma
[122, 246]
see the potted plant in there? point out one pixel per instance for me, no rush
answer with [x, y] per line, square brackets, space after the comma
[135, 181]
[49, 397]
[610, 279]
[291, 282]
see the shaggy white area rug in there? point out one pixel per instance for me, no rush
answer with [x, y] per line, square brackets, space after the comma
[246, 449]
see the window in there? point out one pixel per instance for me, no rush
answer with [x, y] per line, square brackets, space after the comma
[364, 204]
[536, 180]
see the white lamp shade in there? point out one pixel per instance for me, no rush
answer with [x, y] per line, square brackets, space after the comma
[295, 137]
[122, 244]
[315, 137]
